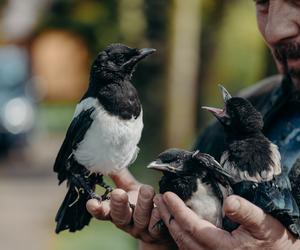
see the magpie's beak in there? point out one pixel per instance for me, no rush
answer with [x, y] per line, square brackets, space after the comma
[163, 167]
[225, 94]
[219, 113]
[142, 53]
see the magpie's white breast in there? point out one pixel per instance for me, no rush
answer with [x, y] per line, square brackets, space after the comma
[205, 204]
[110, 144]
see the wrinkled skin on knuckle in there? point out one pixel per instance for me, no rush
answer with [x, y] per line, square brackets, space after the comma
[140, 224]
[178, 238]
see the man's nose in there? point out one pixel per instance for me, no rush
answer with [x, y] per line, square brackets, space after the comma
[282, 23]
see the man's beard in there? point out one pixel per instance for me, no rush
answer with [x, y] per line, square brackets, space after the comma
[283, 53]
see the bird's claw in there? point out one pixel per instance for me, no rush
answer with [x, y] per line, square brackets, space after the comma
[95, 196]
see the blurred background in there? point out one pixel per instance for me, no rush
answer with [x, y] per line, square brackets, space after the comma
[46, 48]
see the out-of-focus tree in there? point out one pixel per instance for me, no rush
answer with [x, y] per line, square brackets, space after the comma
[132, 22]
[95, 21]
[183, 67]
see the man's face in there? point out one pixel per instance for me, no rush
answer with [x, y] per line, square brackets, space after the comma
[279, 23]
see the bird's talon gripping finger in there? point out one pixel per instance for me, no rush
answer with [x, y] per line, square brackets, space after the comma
[95, 196]
[106, 195]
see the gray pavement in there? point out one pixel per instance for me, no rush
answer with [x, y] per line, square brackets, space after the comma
[29, 197]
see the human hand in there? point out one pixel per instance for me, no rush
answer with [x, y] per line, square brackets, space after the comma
[138, 222]
[257, 230]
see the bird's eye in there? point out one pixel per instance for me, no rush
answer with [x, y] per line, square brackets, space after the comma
[119, 59]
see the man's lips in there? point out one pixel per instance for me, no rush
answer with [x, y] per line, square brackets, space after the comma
[293, 63]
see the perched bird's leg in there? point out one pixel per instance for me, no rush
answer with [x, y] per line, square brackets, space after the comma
[108, 189]
[78, 190]
[85, 187]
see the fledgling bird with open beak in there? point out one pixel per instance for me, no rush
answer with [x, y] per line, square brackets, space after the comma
[103, 135]
[250, 156]
[254, 161]
[198, 179]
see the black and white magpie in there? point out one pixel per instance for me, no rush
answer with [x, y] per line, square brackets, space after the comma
[254, 161]
[103, 135]
[198, 179]
[250, 156]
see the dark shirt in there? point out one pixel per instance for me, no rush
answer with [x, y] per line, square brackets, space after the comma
[285, 133]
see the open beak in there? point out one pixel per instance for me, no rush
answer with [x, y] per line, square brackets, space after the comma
[129, 65]
[225, 94]
[164, 167]
[218, 112]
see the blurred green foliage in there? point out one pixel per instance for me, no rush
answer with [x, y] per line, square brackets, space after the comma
[97, 236]
[94, 21]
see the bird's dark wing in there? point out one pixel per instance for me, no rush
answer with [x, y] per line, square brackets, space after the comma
[75, 134]
[217, 177]
[273, 199]
[253, 159]
[214, 168]
[294, 176]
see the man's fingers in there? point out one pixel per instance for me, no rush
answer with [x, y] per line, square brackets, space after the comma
[152, 227]
[125, 180]
[99, 210]
[196, 226]
[251, 217]
[183, 239]
[120, 213]
[142, 211]
[171, 207]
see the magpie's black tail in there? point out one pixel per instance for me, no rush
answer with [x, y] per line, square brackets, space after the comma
[72, 214]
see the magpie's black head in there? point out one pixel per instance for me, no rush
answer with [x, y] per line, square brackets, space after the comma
[174, 162]
[117, 62]
[183, 169]
[238, 116]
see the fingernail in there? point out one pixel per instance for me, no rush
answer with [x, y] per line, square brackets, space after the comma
[234, 204]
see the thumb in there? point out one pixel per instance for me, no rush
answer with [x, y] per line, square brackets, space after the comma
[249, 216]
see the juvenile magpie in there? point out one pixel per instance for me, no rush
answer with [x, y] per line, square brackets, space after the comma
[197, 178]
[103, 135]
[254, 162]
